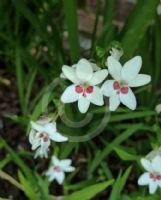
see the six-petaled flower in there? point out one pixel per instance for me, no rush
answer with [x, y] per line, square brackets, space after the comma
[153, 175]
[58, 169]
[119, 89]
[84, 88]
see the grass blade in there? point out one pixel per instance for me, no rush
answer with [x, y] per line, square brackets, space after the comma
[70, 9]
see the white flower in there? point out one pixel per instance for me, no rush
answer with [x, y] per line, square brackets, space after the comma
[83, 89]
[119, 90]
[153, 175]
[41, 134]
[58, 169]
[115, 53]
[159, 9]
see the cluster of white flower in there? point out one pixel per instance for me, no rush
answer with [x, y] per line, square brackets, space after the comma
[85, 88]
[41, 134]
[152, 164]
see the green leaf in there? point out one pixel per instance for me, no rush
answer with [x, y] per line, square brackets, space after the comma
[118, 140]
[16, 159]
[119, 185]
[131, 115]
[4, 162]
[137, 25]
[28, 189]
[89, 192]
[19, 74]
[70, 9]
[124, 155]
[44, 187]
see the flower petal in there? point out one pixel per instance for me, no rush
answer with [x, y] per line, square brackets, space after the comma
[41, 152]
[96, 97]
[159, 183]
[55, 160]
[37, 127]
[51, 177]
[50, 128]
[144, 179]
[65, 163]
[147, 165]
[156, 164]
[153, 187]
[50, 173]
[69, 169]
[141, 79]
[114, 102]
[70, 73]
[95, 67]
[98, 77]
[36, 144]
[59, 176]
[84, 70]
[128, 99]
[131, 69]
[69, 95]
[83, 104]
[57, 137]
[107, 88]
[32, 136]
[114, 68]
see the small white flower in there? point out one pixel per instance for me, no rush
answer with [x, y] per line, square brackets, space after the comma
[159, 9]
[115, 53]
[41, 134]
[119, 90]
[153, 175]
[83, 89]
[58, 169]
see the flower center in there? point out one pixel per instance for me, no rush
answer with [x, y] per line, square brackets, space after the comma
[119, 86]
[57, 169]
[43, 137]
[155, 177]
[84, 90]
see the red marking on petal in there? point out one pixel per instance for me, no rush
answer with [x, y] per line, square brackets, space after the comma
[89, 89]
[124, 90]
[45, 138]
[155, 177]
[78, 89]
[116, 85]
[57, 169]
